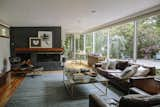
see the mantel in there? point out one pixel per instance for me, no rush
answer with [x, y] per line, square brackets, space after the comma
[39, 49]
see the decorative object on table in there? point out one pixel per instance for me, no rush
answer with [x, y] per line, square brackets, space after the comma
[34, 42]
[78, 76]
[46, 37]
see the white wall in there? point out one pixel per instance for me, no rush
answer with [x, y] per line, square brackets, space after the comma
[4, 52]
[4, 49]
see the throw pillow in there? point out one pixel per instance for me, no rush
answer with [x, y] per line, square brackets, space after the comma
[129, 71]
[141, 71]
[104, 65]
[112, 64]
[121, 65]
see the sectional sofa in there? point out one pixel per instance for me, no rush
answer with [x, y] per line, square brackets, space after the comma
[117, 77]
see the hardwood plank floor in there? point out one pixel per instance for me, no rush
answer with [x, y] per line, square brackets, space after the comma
[7, 90]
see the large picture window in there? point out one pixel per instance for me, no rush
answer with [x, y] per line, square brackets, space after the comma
[121, 41]
[89, 43]
[101, 42]
[148, 38]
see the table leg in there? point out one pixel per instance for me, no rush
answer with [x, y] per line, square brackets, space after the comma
[106, 87]
[72, 90]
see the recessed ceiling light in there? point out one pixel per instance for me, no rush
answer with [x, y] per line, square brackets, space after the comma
[93, 11]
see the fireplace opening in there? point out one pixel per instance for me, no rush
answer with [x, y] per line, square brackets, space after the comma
[48, 57]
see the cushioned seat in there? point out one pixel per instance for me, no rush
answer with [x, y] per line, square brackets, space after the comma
[132, 100]
[122, 72]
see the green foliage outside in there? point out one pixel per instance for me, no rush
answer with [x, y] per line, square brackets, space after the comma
[89, 42]
[68, 50]
[101, 42]
[148, 37]
[121, 39]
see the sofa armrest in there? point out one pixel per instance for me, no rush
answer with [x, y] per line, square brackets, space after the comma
[140, 82]
[95, 101]
[134, 90]
[134, 100]
[141, 78]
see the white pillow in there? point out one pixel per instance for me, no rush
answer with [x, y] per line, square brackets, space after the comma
[104, 65]
[129, 71]
[141, 71]
[112, 64]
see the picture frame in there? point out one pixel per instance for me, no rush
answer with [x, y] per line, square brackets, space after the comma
[35, 42]
[46, 37]
[4, 31]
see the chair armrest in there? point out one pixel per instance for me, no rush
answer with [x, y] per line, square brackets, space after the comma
[134, 90]
[95, 101]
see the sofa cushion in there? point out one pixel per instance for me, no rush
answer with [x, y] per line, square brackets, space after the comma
[114, 71]
[141, 71]
[129, 71]
[121, 65]
[116, 75]
[137, 100]
[133, 100]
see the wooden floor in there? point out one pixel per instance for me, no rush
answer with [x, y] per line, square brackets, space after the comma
[7, 91]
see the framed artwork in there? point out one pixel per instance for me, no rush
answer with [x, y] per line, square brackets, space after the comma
[4, 31]
[46, 37]
[35, 42]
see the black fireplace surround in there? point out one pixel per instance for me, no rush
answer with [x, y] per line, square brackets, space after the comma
[44, 57]
[49, 60]
[19, 38]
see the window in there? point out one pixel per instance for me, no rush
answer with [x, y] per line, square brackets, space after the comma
[4, 31]
[148, 38]
[121, 41]
[79, 43]
[89, 43]
[101, 42]
[68, 46]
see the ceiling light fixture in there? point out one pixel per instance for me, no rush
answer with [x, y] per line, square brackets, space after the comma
[93, 11]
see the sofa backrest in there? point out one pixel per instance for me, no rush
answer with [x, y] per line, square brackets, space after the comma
[151, 69]
[122, 65]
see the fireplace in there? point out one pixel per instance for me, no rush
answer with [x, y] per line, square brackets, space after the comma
[49, 60]
[44, 57]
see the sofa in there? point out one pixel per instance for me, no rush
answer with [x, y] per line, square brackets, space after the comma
[135, 98]
[114, 73]
[131, 100]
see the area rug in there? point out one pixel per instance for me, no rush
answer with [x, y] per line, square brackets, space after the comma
[48, 90]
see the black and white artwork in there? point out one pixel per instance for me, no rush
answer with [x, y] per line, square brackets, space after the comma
[35, 42]
[46, 37]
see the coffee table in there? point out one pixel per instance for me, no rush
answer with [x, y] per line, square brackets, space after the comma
[70, 82]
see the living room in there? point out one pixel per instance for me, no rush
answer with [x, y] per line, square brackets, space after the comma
[79, 53]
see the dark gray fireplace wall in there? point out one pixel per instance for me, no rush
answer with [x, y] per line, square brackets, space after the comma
[19, 36]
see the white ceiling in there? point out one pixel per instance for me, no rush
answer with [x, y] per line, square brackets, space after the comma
[72, 15]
